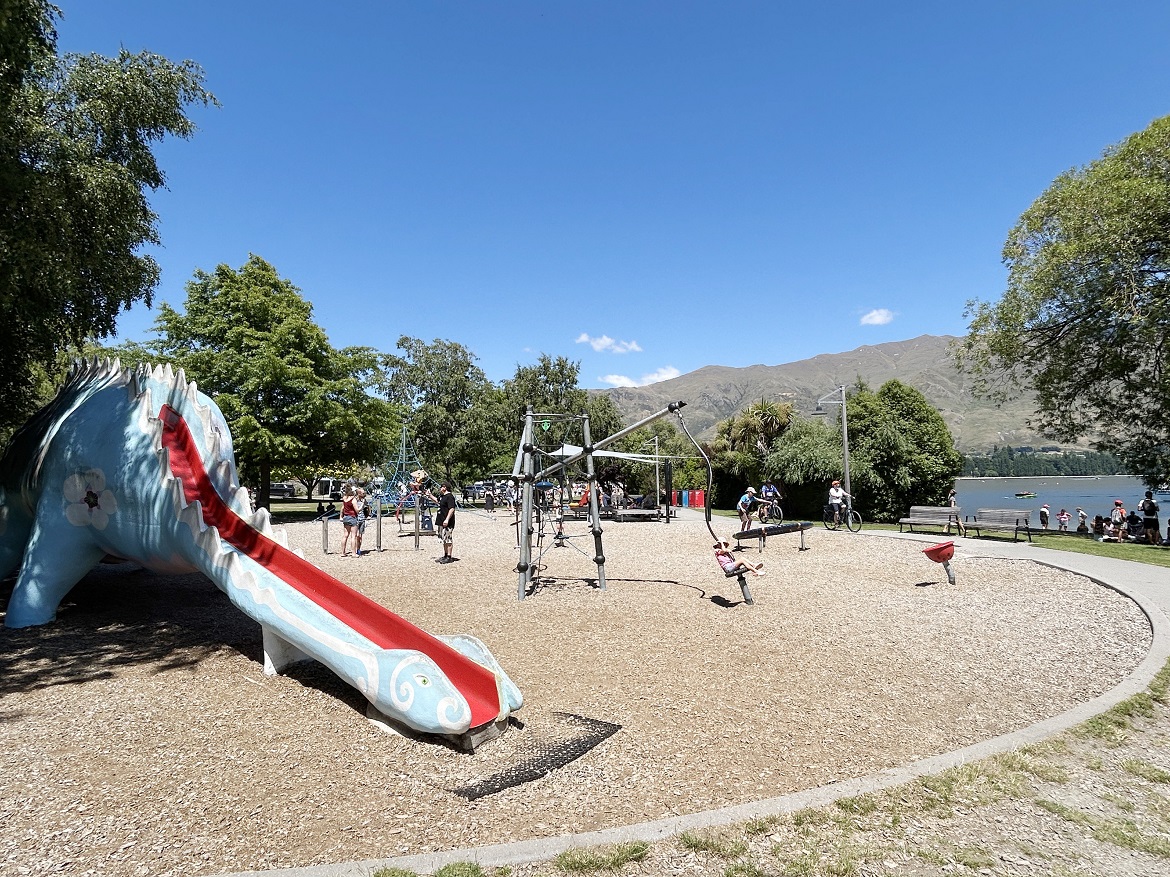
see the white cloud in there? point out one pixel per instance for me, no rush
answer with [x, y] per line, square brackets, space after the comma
[604, 342]
[618, 381]
[877, 317]
[663, 374]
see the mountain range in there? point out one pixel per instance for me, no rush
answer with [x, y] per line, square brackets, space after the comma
[715, 392]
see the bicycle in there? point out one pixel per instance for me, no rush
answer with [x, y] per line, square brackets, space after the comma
[770, 512]
[834, 519]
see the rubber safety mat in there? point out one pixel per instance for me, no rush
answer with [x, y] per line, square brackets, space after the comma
[571, 738]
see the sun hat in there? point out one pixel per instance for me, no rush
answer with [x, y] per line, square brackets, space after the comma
[1118, 502]
[751, 490]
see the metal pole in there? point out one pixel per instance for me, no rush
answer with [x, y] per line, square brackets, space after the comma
[594, 510]
[657, 482]
[845, 448]
[524, 459]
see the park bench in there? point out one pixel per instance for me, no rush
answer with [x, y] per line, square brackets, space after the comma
[633, 513]
[931, 516]
[1014, 521]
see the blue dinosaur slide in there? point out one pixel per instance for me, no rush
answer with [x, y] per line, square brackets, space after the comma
[139, 466]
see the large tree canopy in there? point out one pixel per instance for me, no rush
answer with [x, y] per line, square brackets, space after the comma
[76, 159]
[291, 399]
[1085, 319]
[437, 383]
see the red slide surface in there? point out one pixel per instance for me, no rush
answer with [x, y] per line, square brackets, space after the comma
[373, 621]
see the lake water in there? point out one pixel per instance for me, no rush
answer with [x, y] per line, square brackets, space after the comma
[1094, 495]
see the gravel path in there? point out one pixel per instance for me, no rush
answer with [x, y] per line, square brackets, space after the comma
[140, 735]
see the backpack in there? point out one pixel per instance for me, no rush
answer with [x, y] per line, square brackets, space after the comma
[1118, 515]
[1149, 508]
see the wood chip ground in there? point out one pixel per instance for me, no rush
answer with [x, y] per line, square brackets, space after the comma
[139, 735]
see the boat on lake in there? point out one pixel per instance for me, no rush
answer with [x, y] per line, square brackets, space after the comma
[1025, 494]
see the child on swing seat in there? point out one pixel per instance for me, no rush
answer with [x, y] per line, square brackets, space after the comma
[732, 564]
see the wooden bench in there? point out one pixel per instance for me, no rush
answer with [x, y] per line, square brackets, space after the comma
[1014, 521]
[932, 516]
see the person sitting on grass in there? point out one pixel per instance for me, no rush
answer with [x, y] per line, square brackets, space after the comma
[732, 564]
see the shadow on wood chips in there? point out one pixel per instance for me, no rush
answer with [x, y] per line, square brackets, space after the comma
[570, 738]
[121, 615]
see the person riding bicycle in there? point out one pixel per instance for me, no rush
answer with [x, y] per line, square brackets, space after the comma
[837, 496]
[744, 507]
[770, 497]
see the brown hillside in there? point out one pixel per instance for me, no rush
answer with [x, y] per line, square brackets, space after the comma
[716, 392]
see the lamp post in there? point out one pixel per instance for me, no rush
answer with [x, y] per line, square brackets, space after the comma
[832, 399]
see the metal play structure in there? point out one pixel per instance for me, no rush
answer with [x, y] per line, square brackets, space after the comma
[410, 491]
[529, 476]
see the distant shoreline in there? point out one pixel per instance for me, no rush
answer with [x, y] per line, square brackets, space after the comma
[1037, 477]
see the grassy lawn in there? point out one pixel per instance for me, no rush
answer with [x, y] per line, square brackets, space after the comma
[1128, 551]
[1080, 544]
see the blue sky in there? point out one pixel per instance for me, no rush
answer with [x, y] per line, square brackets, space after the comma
[644, 187]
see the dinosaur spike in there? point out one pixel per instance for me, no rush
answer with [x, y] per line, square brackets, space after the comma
[242, 499]
[262, 521]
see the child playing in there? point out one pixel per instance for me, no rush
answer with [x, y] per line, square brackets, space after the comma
[732, 564]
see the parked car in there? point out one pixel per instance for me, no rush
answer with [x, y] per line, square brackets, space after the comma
[282, 490]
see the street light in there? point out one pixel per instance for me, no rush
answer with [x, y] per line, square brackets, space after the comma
[832, 399]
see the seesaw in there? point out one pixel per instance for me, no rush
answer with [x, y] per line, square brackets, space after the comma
[762, 533]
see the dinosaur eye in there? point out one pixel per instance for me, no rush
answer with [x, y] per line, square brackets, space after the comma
[422, 680]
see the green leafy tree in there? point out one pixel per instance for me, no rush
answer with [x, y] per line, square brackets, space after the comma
[292, 401]
[438, 384]
[806, 462]
[741, 446]
[77, 135]
[901, 452]
[1085, 319]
